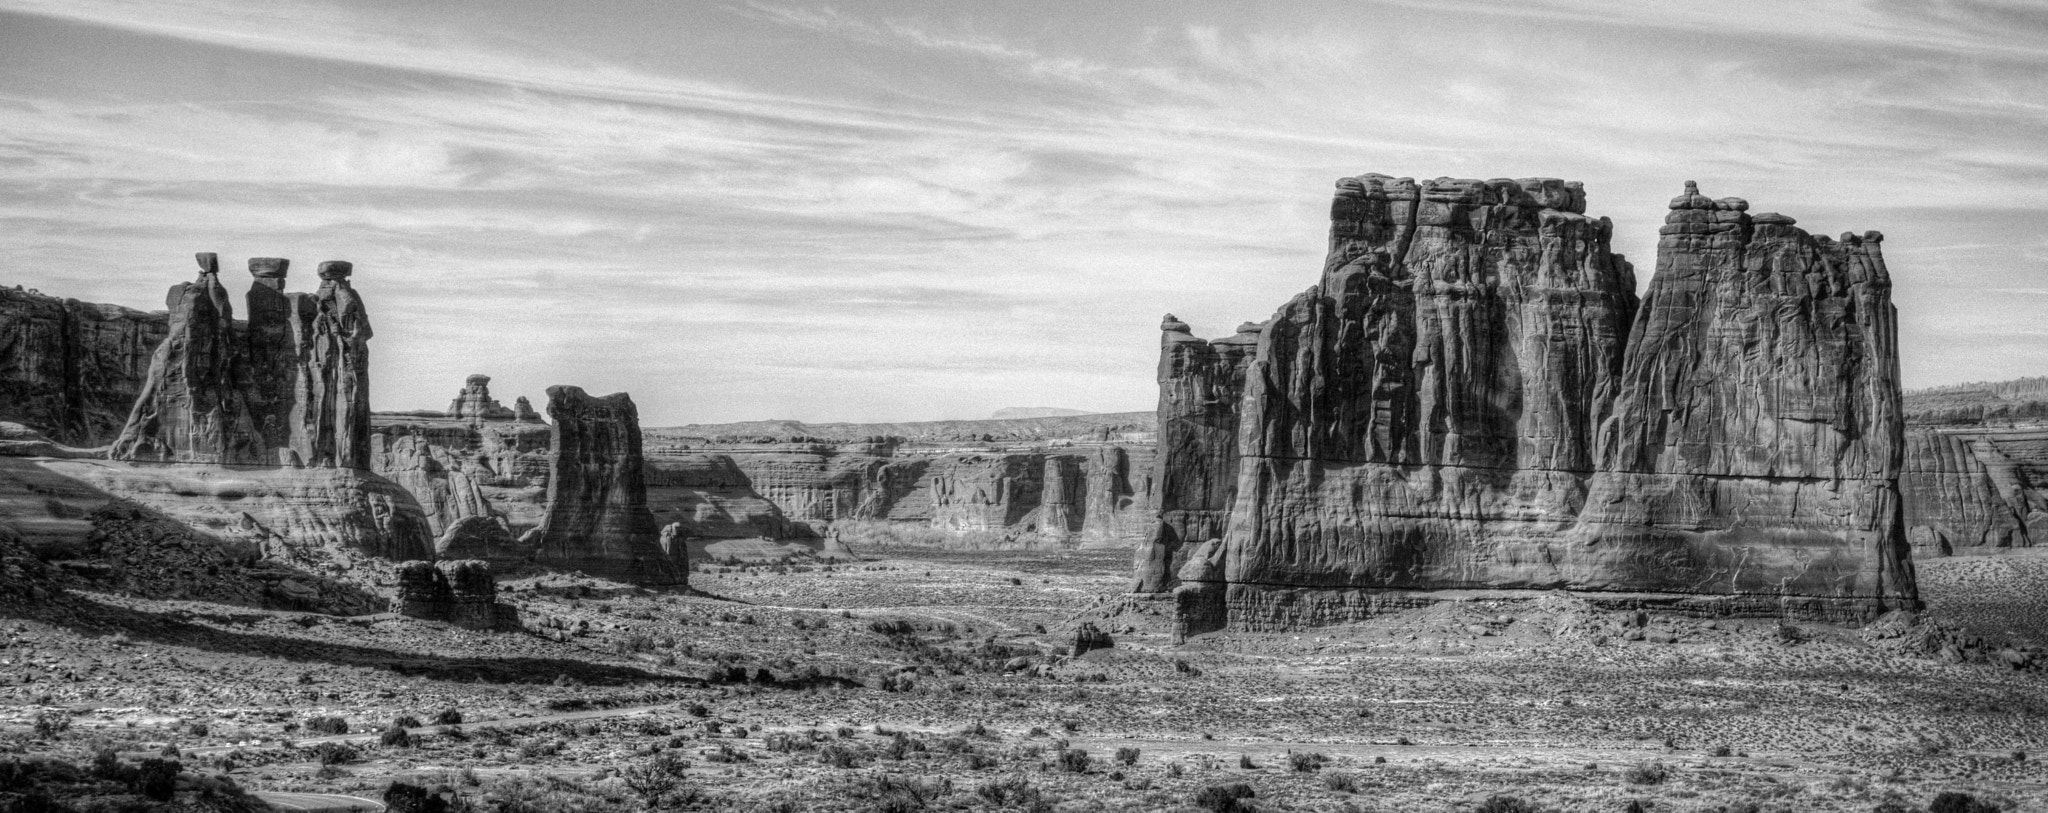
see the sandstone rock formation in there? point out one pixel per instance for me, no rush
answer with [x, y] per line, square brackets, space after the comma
[1080, 491]
[291, 387]
[482, 538]
[1201, 385]
[1470, 399]
[1975, 464]
[597, 519]
[707, 496]
[475, 403]
[72, 369]
[266, 420]
[461, 592]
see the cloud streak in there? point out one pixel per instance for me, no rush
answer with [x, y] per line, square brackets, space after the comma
[965, 208]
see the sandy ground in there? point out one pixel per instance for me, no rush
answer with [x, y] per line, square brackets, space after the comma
[841, 687]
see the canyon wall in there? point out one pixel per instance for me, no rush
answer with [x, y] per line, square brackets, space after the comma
[1014, 479]
[73, 369]
[1470, 398]
[1976, 459]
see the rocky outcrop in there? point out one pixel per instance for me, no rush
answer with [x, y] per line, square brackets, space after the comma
[475, 403]
[72, 370]
[461, 592]
[1201, 386]
[486, 539]
[1976, 456]
[707, 496]
[1470, 399]
[290, 388]
[597, 518]
[1073, 491]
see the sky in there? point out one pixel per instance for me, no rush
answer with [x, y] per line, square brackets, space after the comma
[933, 210]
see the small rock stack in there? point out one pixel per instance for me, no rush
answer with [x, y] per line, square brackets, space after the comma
[461, 592]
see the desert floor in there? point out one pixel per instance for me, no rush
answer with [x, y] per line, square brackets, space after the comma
[915, 679]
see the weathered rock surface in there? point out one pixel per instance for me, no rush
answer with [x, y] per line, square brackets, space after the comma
[461, 592]
[597, 518]
[486, 539]
[1470, 399]
[1033, 484]
[1976, 458]
[475, 403]
[291, 387]
[72, 369]
[1201, 386]
[707, 496]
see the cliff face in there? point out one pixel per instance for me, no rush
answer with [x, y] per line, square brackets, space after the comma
[1755, 446]
[1470, 399]
[73, 369]
[597, 518]
[1201, 387]
[264, 420]
[1976, 456]
[1084, 495]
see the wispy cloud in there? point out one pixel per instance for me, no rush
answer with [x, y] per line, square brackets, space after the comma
[964, 208]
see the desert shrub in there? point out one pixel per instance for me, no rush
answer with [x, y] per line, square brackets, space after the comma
[699, 710]
[157, 778]
[839, 755]
[1175, 770]
[334, 753]
[782, 743]
[1224, 798]
[395, 737]
[890, 793]
[1127, 755]
[1507, 804]
[1723, 751]
[843, 733]
[1340, 782]
[51, 725]
[1245, 762]
[406, 721]
[1959, 802]
[1650, 774]
[726, 753]
[448, 716]
[657, 779]
[202, 729]
[1074, 760]
[1306, 762]
[327, 725]
[1009, 791]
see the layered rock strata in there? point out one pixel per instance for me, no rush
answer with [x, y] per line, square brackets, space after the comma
[71, 369]
[460, 592]
[290, 388]
[1470, 399]
[597, 518]
[1976, 459]
[1076, 491]
[1201, 385]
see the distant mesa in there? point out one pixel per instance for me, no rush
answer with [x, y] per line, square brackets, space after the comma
[1015, 413]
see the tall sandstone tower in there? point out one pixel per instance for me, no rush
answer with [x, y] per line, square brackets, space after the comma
[1473, 398]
